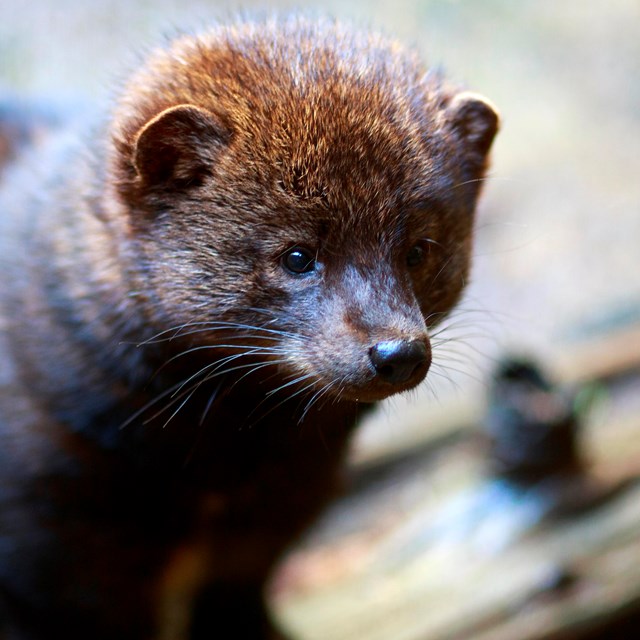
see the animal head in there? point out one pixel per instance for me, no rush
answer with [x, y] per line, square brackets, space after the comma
[306, 190]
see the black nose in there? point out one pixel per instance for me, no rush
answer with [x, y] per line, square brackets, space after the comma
[397, 361]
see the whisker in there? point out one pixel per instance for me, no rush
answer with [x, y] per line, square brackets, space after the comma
[286, 399]
[274, 338]
[253, 367]
[288, 384]
[213, 325]
[314, 399]
[149, 404]
[174, 330]
[244, 347]
[216, 364]
[180, 407]
[445, 376]
[220, 370]
[181, 392]
[451, 357]
[210, 402]
[177, 391]
[172, 401]
[445, 264]
[460, 371]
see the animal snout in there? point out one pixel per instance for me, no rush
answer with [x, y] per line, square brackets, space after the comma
[400, 361]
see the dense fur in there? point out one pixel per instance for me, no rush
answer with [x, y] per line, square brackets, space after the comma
[176, 391]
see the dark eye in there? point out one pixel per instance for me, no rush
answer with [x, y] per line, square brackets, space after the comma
[415, 256]
[299, 260]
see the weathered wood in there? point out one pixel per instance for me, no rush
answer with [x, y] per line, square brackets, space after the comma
[600, 358]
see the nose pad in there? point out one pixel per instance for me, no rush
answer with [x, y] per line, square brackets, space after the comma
[397, 361]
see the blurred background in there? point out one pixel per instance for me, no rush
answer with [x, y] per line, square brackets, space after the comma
[557, 264]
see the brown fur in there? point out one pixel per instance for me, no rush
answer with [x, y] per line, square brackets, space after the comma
[132, 506]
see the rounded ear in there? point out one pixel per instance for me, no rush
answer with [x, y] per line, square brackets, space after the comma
[178, 146]
[474, 120]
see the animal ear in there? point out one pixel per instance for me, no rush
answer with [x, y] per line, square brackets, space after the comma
[474, 121]
[178, 146]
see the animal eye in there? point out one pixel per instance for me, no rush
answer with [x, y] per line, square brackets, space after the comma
[298, 261]
[415, 256]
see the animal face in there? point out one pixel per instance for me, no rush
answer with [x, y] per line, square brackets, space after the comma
[314, 214]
